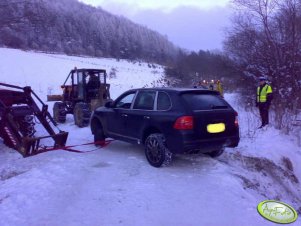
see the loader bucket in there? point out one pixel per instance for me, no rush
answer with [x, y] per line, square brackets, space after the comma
[31, 145]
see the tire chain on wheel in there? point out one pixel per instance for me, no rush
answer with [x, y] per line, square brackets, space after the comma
[168, 154]
[168, 158]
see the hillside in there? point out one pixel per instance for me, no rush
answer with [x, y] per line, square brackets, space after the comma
[71, 27]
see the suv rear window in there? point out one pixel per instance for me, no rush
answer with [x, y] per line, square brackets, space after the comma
[198, 101]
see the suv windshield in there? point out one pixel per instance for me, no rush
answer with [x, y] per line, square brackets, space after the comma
[198, 101]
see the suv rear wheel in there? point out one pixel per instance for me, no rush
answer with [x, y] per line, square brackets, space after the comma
[156, 151]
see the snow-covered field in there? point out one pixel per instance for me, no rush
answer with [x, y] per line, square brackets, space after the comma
[116, 186]
[45, 73]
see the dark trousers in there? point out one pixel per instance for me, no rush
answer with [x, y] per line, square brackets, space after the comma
[264, 113]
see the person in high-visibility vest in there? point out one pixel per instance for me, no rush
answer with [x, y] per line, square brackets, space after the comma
[219, 88]
[263, 100]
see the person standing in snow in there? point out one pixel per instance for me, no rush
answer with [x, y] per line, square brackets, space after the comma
[211, 85]
[219, 88]
[263, 100]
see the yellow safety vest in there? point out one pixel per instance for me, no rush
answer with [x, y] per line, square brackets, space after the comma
[262, 96]
[219, 88]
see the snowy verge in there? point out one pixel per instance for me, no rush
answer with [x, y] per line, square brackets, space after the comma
[269, 160]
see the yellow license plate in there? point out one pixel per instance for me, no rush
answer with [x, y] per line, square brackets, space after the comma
[216, 128]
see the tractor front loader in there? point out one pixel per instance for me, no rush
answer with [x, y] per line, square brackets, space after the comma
[19, 113]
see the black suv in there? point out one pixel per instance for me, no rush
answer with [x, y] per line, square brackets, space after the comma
[169, 121]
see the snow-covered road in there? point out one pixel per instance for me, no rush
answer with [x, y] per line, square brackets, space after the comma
[116, 185]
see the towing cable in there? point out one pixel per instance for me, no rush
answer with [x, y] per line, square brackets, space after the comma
[70, 148]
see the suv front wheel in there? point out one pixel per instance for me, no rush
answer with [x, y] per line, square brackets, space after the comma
[156, 151]
[99, 135]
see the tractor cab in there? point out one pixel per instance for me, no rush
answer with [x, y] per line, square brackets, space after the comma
[84, 90]
[85, 85]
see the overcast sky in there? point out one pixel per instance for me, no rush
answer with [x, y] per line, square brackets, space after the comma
[190, 24]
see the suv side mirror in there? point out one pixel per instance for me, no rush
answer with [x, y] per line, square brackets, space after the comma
[109, 104]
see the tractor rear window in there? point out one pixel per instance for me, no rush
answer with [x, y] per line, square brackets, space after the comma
[199, 101]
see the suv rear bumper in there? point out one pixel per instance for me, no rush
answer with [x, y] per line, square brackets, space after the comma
[185, 145]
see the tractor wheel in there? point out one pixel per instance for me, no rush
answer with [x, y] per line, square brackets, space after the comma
[81, 114]
[59, 112]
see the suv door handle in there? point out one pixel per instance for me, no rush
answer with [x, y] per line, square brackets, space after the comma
[124, 115]
[146, 117]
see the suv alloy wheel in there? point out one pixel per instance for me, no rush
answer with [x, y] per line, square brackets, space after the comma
[155, 150]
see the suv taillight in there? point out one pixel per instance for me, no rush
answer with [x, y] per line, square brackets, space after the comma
[184, 123]
[236, 119]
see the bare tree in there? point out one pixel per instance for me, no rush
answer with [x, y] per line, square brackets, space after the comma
[265, 40]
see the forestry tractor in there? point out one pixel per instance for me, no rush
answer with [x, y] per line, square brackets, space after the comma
[19, 119]
[84, 90]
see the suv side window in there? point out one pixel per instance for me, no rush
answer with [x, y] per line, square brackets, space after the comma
[163, 102]
[145, 100]
[126, 101]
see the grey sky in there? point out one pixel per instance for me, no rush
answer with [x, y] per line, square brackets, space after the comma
[190, 24]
